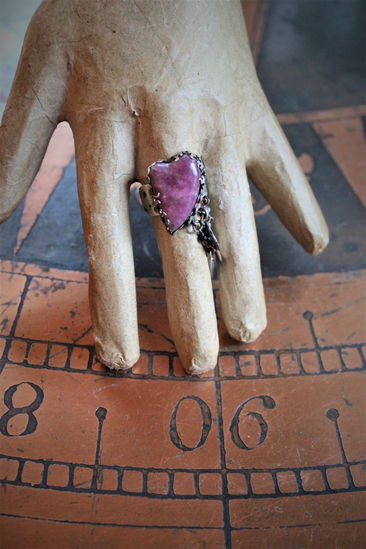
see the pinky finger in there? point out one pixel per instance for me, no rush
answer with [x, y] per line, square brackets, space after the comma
[30, 118]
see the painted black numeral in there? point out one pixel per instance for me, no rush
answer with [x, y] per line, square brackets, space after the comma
[206, 424]
[269, 404]
[32, 407]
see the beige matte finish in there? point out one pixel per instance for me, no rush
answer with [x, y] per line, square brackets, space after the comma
[139, 81]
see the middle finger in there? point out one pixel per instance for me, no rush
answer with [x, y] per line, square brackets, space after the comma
[190, 303]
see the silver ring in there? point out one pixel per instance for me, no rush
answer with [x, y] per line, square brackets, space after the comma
[177, 192]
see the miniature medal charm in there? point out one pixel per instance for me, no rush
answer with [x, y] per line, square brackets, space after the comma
[177, 192]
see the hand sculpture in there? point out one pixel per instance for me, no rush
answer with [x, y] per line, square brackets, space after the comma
[137, 82]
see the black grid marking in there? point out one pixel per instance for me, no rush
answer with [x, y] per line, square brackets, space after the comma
[239, 357]
[95, 472]
[160, 527]
[120, 472]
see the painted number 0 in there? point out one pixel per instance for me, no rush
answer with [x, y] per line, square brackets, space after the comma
[206, 424]
[267, 402]
[28, 410]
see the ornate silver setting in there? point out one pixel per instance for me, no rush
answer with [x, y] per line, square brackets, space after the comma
[200, 220]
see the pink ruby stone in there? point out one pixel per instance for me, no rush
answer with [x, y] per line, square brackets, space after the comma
[178, 183]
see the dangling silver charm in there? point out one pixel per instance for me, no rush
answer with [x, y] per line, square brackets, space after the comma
[200, 223]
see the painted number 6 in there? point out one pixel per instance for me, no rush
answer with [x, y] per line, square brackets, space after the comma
[269, 404]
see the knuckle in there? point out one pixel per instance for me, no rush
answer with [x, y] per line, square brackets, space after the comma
[245, 331]
[202, 364]
[201, 360]
[116, 359]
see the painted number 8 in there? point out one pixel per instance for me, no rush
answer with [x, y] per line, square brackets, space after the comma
[28, 410]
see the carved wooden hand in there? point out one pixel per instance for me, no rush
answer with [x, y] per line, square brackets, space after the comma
[139, 81]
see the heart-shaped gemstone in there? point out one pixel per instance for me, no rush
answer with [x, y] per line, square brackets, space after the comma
[177, 184]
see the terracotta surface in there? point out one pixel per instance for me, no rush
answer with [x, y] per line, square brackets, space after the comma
[345, 141]
[254, 13]
[274, 439]
[59, 155]
[339, 113]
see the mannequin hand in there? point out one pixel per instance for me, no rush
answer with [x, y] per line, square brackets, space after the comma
[137, 82]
